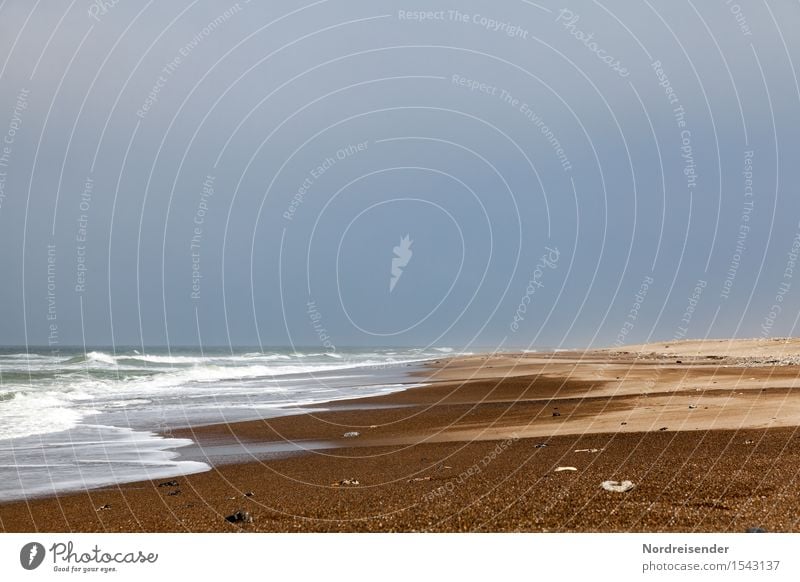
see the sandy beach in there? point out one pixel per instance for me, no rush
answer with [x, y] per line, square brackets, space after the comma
[707, 433]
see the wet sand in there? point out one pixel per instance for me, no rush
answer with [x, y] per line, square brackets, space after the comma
[708, 434]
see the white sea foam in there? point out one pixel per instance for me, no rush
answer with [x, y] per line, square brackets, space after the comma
[35, 414]
[85, 420]
[101, 357]
[52, 393]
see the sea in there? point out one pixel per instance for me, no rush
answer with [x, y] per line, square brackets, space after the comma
[79, 419]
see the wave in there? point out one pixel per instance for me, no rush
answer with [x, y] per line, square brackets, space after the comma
[133, 360]
[217, 373]
[35, 414]
[56, 392]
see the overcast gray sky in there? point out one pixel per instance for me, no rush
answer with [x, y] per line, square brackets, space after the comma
[582, 173]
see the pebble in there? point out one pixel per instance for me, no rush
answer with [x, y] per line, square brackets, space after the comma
[239, 517]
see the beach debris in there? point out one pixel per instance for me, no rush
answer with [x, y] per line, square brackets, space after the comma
[249, 494]
[749, 442]
[617, 486]
[174, 493]
[416, 479]
[678, 361]
[351, 434]
[168, 484]
[588, 450]
[373, 426]
[103, 507]
[623, 423]
[556, 412]
[540, 446]
[562, 469]
[663, 428]
[346, 483]
[692, 406]
[239, 516]
[755, 530]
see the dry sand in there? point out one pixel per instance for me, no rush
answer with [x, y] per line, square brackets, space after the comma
[707, 431]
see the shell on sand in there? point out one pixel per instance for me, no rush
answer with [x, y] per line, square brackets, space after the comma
[565, 469]
[617, 486]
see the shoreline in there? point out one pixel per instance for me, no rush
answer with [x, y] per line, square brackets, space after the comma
[707, 433]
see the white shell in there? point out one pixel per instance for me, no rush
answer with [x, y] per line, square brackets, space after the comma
[617, 486]
[565, 469]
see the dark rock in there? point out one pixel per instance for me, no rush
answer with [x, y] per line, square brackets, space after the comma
[541, 445]
[249, 494]
[239, 517]
[174, 493]
[755, 530]
[556, 413]
[168, 484]
[663, 428]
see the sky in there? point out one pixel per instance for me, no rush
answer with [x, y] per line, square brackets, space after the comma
[327, 174]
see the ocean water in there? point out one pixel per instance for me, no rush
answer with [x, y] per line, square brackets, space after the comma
[80, 419]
